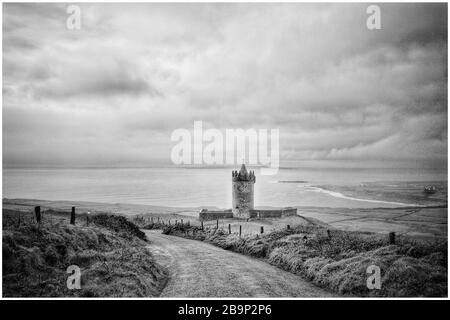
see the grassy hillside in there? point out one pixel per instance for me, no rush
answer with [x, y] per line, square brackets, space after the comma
[339, 261]
[111, 252]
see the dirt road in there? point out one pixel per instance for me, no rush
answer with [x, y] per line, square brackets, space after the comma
[198, 269]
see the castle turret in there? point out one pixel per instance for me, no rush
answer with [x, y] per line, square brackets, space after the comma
[243, 197]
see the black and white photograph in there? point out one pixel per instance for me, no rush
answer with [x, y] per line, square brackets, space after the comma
[224, 151]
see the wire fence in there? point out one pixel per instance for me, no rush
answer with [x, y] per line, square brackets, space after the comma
[38, 216]
[233, 226]
[229, 226]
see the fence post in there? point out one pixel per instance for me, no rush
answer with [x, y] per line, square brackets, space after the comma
[72, 216]
[229, 228]
[217, 224]
[181, 221]
[87, 220]
[329, 233]
[288, 227]
[391, 237]
[262, 229]
[240, 230]
[37, 213]
[169, 222]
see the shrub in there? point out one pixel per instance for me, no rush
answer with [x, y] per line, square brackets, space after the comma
[339, 262]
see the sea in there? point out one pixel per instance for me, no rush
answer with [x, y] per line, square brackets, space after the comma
[197, 187]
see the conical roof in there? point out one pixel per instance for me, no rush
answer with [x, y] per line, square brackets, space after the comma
[243, 172]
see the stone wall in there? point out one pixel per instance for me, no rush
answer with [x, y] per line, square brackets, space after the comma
[206, 214]
[214, 215]
[265, 214]
[276, 213]
[289, 211]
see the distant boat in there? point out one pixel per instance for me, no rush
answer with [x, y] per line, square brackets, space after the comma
[430, 189]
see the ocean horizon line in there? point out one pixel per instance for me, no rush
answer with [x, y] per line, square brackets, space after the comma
[225, 166]
[214, 207]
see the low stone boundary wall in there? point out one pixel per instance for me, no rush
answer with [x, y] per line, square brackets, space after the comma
[206, 214]
[214, 215]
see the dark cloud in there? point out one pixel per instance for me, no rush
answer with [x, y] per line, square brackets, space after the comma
[100, 81]
[114, 90]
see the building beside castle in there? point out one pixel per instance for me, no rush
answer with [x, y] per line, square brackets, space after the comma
[243, 183]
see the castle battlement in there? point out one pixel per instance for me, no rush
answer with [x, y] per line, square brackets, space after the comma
[243, 175]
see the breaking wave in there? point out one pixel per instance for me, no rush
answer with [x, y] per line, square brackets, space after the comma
[342, 196]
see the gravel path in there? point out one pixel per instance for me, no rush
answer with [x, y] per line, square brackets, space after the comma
[198, 269]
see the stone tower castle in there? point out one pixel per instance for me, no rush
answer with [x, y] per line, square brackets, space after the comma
[243, 201]
[243, 197]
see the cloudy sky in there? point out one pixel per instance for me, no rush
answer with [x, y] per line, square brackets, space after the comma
[112, 92]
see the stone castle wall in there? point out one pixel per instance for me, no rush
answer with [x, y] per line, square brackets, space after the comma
[228, 214]
[214, 215]
[265, 214]
[276, 213]
[289, 211]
